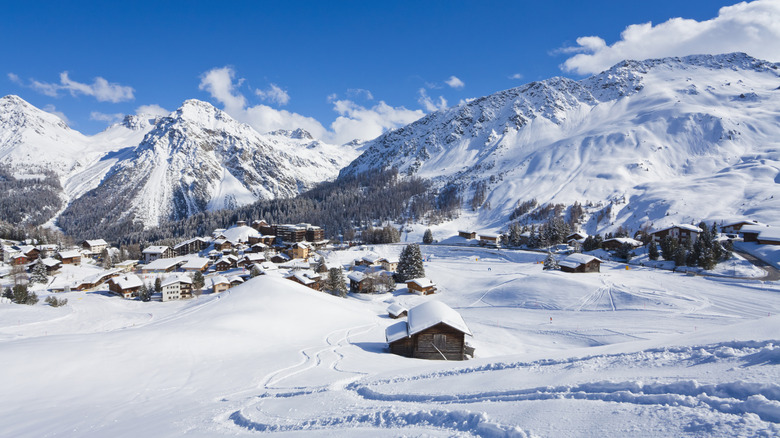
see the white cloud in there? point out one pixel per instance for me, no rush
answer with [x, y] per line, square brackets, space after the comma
[359, 93]
[108, 118]
[454, 82]
[429, 103]
[274, 94]
[516, 76]
[52, 110]
[752, 27]
[100, 89]
[152, 110]
[353, 121]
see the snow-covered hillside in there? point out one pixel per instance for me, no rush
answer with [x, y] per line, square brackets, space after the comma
[678, 139]
[623, 352]
[160, 168]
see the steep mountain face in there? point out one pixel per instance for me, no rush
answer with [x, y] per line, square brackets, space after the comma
[674, 139]
[197, 159]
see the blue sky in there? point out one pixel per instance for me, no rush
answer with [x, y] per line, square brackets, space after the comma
[341, 69]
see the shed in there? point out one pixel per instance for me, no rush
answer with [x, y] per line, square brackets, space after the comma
[396, 311]
[580, 263]
[615, 243]
[467, 234]
[422, 286]
[433, 330]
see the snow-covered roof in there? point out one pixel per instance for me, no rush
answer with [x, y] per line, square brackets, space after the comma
[688, 227]
[26, 248]
[254, 257]
[187, 242]
[397, 331]
[574, 260]
[576, 233]
[770, 233]
[371, 258]
[488, 236]
[430, 313]
[155, 249]
[396, 309]
[622, 240]
[744, 221]
[70, 254]
[126, 263]
[195, 263]
[162, 264]
[356, 276]
[300, 277]
[127, 281]
[753, 228]
[96, 242]
[50, 262]
[422, 282]
[267, 266]
[219, 279]
[240, 234]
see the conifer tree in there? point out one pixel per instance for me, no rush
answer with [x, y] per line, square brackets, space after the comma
[410, 265]
[335, 282]
[550, 262]
[652, 251]
[198, 281]
[39, 274]
[145, 293]
[158, 285]
[428, 237]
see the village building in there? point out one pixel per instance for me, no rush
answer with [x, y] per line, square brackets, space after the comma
[432, 330]
[235, 280]
[191, 246]
[580, 263]
[52, 265]
[126, 286]
[769, 236]
[249, 259]
[223, 245]
[616, 243]
[396, 311]
[47, 250]
[289, 233]
[171, 289]
[315, 233]
[389, 264]
[750, 233]
[19, 259]
[265, 267]
[736, 227]
[489, 240]
[357, 281]
[308, 279]
[162, 266]
[184, 285]
[682, 233]
[127, 265]
[467, 234]
[226, 263]
[94, 247]
[96, 280]
[71, 257]
[299, 250]
[368, 260]
[219, 284]
[422, 286]
[194, 264]
[30, 252]
[152, 253]
[280, 258]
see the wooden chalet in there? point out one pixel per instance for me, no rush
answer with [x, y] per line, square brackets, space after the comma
[467, 234]
[127, 265]
[489, 240]
[196, 264]
[235, 280]
[396, 311]
[577, 235]
[736, 227]
[280, 258]
[19, 259]
[769, 236]
[223, 245]
[357, 281]
[152, 253]
[422, 286]
[225, 263]
[308, 279]
[616, 243]
[72, 257]
[219, 284]
[32, 253]
[299, 250]
[432, 330]
[389, 264]
[94, 247]
[96, 280]
[264, 227]
[52, 265]
[580, 263]
[126, 286]
[682, 233]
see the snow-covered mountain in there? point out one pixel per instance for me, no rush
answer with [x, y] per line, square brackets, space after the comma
[154, 169]
[677, 139]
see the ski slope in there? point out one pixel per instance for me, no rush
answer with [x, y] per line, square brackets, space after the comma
[637, 352]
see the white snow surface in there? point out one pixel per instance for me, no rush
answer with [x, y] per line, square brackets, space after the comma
[637, 352]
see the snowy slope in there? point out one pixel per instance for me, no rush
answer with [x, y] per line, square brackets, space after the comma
[677, 138]
[638, 352]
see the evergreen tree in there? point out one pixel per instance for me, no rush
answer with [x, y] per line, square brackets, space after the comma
[410, 264]
[145, 293]
[550, 262]
[680, 256]
[8, 293]
[669, 247]
[652, 251]
[198, 281]
[335, 282]
[428, 237]
[158, 285]
[39, 274]
[21, 295]
[624, 252]
[105, 257]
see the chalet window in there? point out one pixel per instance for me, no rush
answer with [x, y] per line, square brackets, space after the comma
[440, 341]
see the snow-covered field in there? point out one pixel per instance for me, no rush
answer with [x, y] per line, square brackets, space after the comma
[637, 352]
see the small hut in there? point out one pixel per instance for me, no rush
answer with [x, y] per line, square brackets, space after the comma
[433, 331]
[580, 263]
[422, 286]
[396, 311]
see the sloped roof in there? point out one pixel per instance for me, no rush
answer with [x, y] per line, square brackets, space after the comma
[96, 242]
[70, 254]
[219, 279]
[240, 234]
[396, 331]
[50, 262]
[756, 228]
[769, 233]
[162, 264]
[195, 263]
[154, 249]
[622, 240]
[430, 313]
[422, 282]
[688, 227]
[396, 309]
[356, 276]
[127, 281]
[574, 260]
